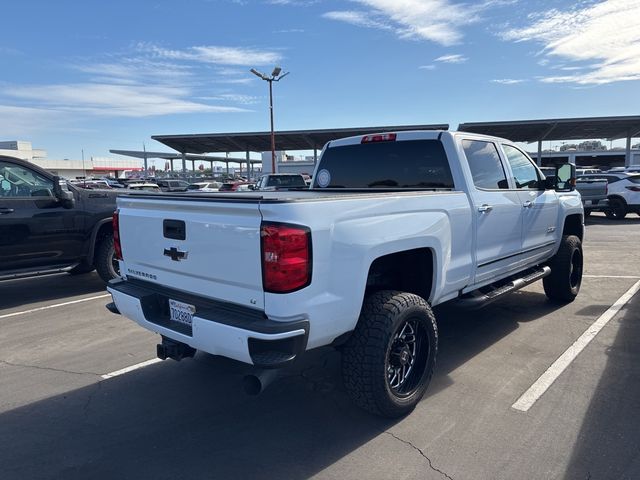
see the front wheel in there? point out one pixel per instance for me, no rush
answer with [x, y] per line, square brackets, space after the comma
[389, 360]
[105, 260]
[617, 209]
[563, 284]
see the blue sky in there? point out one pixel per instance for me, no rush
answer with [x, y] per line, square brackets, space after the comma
[96, 75]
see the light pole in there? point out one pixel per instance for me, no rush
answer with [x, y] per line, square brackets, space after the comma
[276, 76]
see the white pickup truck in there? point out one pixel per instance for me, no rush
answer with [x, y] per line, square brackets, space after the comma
[392, 225]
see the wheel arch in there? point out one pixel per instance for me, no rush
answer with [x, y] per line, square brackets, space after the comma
[410, 271]
[100, 230]
[573, 225]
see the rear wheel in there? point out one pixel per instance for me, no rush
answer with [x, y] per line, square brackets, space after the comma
[105, 260]
[617, 209]
[389, 360]
[563, 284]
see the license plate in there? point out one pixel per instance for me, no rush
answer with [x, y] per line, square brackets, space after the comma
[588, 202]
[181, 312]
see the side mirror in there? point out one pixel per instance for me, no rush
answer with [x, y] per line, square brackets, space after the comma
[565, 180]
[62, 193]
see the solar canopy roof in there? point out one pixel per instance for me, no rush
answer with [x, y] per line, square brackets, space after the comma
[285, 140]
[611, 128]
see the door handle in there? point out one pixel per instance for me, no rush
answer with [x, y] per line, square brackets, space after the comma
[527, 204]
[484, 208]
[4, 211]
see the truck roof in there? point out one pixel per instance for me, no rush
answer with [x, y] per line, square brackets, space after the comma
[408, 135]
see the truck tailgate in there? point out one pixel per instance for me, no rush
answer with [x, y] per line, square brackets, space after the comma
[209, 248]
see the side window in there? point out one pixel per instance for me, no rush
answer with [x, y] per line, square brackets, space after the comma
[17, 181]
[525, 174]
[486, 168]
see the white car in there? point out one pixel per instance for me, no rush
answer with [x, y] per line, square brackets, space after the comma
[148, 187]
[203, 187]
[624, 192]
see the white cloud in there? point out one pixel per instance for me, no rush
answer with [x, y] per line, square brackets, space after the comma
[427, 67]
[508, 81]
[216, 55]
[115, 100]
[22, 122]
[453, 58]
[439, 21]
[233, 97]
[360, 19]
[605, 36]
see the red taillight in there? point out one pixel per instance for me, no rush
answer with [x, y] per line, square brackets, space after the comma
[286, 257]
[381, 137]
[633, 188]
[116, 236]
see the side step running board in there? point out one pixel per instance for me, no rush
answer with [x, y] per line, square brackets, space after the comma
[481, 297]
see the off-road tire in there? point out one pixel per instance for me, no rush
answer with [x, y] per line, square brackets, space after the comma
[104, 259]
[617, 209]
[563, 284]
[367, 354]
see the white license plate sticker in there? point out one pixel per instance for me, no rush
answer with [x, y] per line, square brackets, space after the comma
[181, 312]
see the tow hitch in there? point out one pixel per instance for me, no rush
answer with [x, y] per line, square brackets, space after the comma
[172, 349]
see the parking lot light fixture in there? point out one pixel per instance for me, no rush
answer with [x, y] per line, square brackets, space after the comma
[276, 76]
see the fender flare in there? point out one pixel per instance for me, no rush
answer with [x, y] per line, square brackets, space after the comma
[94, 235]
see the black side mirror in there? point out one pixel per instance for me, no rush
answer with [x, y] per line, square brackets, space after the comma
[565, 180]
[62, 193]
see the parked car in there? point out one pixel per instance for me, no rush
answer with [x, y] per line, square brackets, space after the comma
[280, 181]
[50, 225]
[395, 224]
[587, 171]
[593, 192]
[92, 184]
[203, 187]
[623, 192]
[149, 187]
[173, 185]
[236, 187]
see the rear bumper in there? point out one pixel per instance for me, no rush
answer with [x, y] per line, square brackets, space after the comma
[596, 205]
[218, 328]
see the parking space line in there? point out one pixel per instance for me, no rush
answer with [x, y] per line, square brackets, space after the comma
[24, 312]
[632, 277]
[130, 369]
[528, 398]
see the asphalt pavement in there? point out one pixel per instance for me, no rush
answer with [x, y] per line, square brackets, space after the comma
[60, 418]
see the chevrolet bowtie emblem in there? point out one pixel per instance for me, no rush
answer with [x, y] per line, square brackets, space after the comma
[175, 254]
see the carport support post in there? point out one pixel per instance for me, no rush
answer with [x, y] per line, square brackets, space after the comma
[248, 166]
[184, 162]
[315, 156]
[539, 159]
[627, 156]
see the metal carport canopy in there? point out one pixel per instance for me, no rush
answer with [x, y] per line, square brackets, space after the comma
[529, 131]
[285, 140]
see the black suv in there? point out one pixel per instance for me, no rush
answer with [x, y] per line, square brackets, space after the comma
[172, 185]
[49, 225]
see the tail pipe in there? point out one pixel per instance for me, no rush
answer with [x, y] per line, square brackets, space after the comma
[257, 382]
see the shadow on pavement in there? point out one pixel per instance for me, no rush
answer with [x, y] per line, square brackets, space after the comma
[192, 420]
[25, 291]
[630, 219]
[609, 439]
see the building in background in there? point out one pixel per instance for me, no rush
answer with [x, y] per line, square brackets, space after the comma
[66, 168]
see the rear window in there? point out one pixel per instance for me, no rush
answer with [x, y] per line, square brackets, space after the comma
[225, 187]
[404, 164]
[286, 181]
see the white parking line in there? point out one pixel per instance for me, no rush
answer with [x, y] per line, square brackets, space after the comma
[526, 401]
[632, 277]
[54, 306]
[130, 369]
